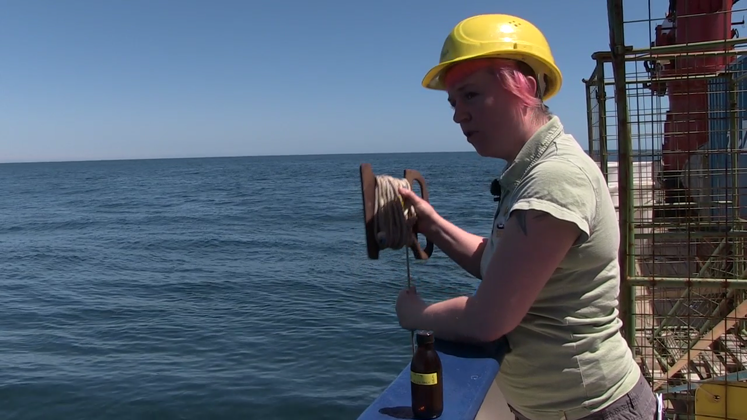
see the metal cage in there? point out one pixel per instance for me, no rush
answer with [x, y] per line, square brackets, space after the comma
[667, 125]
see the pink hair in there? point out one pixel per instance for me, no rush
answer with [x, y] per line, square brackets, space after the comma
[511, 77]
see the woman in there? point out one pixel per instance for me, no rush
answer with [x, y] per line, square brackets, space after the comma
[549, 271]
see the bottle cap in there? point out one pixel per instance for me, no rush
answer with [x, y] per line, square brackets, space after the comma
[424, 337]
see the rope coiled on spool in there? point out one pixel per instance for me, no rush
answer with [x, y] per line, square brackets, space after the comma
[394, 219]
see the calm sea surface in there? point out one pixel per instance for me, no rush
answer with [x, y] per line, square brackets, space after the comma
[231, 288]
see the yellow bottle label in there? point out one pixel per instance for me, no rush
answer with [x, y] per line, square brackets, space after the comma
[423, 378]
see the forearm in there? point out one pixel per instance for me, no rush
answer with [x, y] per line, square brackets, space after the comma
[463, 247]
[454, 320]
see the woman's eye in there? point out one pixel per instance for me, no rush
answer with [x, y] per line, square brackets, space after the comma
[467, 96]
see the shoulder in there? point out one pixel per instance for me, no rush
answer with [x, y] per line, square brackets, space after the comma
[559, 171]
[560, 187]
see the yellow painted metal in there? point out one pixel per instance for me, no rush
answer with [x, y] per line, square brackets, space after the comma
[721, 400]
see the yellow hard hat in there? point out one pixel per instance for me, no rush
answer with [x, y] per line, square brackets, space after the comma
[500, 36]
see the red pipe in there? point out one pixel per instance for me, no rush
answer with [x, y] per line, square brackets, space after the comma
[689, 21]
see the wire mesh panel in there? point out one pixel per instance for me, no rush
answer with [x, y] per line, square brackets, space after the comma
[596, 112]
[675, 118]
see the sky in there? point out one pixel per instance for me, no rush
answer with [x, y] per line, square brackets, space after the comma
[89, 80]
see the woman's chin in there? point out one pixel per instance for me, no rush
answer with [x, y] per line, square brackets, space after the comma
[482, 151]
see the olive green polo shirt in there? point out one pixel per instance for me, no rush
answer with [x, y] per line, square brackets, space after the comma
[568, 357]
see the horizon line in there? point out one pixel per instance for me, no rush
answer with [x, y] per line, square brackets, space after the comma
[125, 159]
[128, 159]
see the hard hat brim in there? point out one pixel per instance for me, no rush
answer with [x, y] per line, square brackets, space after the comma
[434, 77]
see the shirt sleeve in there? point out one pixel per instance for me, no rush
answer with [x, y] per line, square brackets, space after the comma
[562, 189]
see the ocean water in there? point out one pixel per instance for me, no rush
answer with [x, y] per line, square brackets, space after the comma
[222, 288]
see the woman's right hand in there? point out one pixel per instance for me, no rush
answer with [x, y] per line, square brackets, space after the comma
[427, 217]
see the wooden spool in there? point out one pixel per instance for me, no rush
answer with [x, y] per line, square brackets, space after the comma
[368, 190]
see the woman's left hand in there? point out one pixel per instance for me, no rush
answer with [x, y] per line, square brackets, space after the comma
[410, 307]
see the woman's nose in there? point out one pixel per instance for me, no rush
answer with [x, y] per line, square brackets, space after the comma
[460, 114]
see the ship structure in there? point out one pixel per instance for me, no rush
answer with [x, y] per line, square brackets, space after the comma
[668, 127]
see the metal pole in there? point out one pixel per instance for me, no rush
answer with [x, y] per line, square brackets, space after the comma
[625, 163]
[734, 151]
[589, 118]
[686, 237]
[687, 282]
[602, 101]
[666, 51]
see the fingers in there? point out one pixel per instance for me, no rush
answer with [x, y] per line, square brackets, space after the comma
[409, 290]
[410, 195]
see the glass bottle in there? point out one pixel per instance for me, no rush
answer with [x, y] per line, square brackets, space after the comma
[426, 383]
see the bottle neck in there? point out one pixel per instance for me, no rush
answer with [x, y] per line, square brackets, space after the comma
[425, 346]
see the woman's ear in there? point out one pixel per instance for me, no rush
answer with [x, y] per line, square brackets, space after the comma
[533, 85]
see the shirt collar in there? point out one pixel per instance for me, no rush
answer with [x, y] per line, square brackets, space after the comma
[530, 152]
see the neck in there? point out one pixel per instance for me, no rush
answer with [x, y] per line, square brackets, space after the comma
[529, 127]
